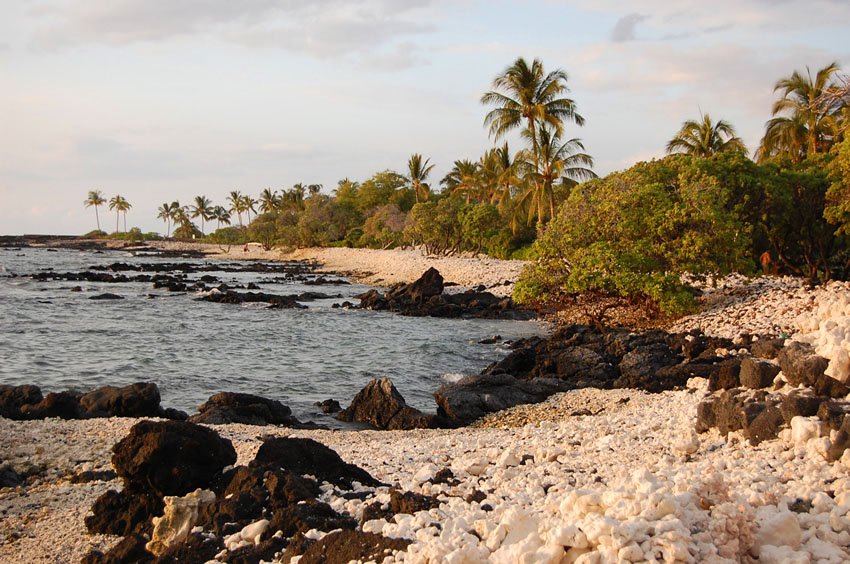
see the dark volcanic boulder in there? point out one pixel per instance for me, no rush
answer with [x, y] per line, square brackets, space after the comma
[800, 364]
[107, 296]
[767, 347]
[756, 373]
[231, 407]
[428, 285]
[425, 297]
[345, 546]
[231, 297]
[130, 549]
[65, 405]
[125, 512]
[725, 376]
[800, 404]
[380, 404]
[400, 502]
[842, 440]
[135, 400]
[311, 514]
[645, 361]
[12, 398]
[306, 456]
[171, 457]
[472, 397]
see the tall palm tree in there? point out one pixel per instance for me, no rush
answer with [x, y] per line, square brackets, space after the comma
[203, 209]
[236, 203]
[221, 215]
[558, 161]
[806, 113]
[418, 174]
[120, 205]
[525, 95]
[462, 178]
[95, 199]
[167, 212]
[314, 189]
[268, 200]
[248, 206]
[705, 138]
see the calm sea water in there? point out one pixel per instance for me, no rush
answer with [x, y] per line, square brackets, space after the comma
[60, 339]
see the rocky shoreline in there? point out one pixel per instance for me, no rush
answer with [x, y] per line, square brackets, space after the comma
[722, 440]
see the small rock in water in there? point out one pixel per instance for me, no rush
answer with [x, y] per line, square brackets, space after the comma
[107, 296]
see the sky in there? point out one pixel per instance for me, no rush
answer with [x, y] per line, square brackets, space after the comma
[158, 100]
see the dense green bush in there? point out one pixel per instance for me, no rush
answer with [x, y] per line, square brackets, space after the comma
[633, 234]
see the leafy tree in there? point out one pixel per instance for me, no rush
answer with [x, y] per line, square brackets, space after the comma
[249, 205]
[185, 228]
[436, 226]
[95, 199]
[203, 209]
[382, 188]
[837, 210]
[418, 172]
[384, 228]
[630, 237]
[120, 205]
[705, 138]
[480, 226]
[806, 118]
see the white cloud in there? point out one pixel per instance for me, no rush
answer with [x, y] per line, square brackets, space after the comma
[323, 28]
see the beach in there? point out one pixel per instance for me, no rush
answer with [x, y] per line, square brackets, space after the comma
[587, 476]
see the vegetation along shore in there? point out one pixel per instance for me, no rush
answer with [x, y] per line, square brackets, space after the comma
[689, 402]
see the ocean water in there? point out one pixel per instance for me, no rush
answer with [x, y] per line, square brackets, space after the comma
[59, 339]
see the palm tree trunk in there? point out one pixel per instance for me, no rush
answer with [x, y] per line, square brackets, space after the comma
[125, 222]
[97, 218]
[117, 217]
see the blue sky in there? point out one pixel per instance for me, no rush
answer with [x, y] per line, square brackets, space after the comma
[159, 100]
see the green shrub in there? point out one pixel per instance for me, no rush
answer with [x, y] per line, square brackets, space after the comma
[634, 234]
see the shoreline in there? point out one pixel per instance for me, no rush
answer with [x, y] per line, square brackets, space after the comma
[611, 473]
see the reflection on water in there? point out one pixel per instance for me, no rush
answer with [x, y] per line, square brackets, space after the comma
[59, 339]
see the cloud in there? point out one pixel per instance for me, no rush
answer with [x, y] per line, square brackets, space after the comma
[321, 28]
[624, 29]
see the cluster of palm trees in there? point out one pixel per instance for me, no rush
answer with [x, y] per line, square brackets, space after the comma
[117, 203]
[810, 117]
[525, 98]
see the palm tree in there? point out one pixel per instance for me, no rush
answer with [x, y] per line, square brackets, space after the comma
[558, 160]
[236, 202]
[527, 95]
[314, 189]
[508, 179]
[248, 206]
[810, 124]
[167, 213]
[705, 138]
[419, 172]
[120, 205]
[462, 178]
[268, 200]
[95, 199]
[202, 209]
[221, 215]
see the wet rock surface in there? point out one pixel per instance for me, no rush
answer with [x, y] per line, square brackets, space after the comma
[425, 297]
[579, 356]
[381, 405]
[232, 407]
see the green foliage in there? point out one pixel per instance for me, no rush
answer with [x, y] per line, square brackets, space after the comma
[231, 235]
[633, 234]
[384, 228]
[95, 234]
[481, 227]
[837, 210]
[134, 234]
